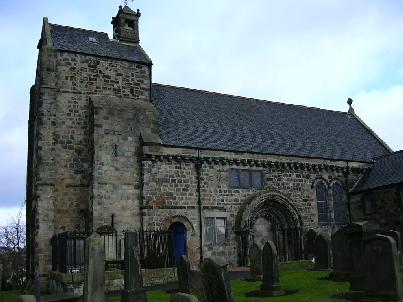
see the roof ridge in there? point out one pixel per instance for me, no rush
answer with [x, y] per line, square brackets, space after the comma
[79, 28]
[248, 98]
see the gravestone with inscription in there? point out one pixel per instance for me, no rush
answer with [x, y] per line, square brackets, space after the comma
[322, 253]
[216, 282]
[255, 261]
[342, 261]
[271, 276]
[396, 236]
[357, 233]
[382, 270]
[133, 282]
[184, 274]
[94, 276]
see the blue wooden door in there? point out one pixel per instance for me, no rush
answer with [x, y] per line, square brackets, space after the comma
[179, 241]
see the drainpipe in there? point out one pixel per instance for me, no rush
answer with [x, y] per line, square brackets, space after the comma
[348, 191]
[199, 203]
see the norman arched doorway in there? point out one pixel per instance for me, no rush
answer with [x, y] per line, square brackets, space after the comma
[270, 217]
[178, 242]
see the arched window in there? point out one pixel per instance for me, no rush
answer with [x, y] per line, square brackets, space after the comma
[321, 200]
[339, 207]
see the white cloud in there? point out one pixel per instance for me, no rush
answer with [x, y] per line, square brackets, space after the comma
[316, 53]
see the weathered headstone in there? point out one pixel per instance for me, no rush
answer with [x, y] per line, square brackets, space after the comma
[382, 270]
[270, 286]
[216, 281]
[322, 253]
[182, 297]
[1, 274]
[184, 274]
[26, 298]
[356, 233]
[37, 286]
[396, 236]
[309, 244]
[94, 280]
[133, 282]
[255, 260]
[342, 261]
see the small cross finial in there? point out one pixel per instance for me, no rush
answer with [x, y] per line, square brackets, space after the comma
[350, 103]
[127, 1]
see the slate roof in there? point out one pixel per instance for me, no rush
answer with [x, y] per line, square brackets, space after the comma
[386, 170]
[77, 40]
[207, 120]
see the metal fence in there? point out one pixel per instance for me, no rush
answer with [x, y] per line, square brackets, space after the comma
[68, 252]
[156, 247]
[68, 249]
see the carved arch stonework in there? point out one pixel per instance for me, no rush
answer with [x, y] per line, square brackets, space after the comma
[284, 219]
[169, 220]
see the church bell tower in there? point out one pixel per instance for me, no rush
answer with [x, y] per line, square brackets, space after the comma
[126, 25]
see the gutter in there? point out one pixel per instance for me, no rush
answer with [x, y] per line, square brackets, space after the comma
[198, 166]
[348, 192]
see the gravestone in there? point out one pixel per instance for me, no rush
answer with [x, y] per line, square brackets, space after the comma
[322, 253]
[382, 270]
[184, 274]
[215, 279]
[255, 260]
[270, 286]
[342, 261]
[26, 298]
[182, 297]
[37, 286]
[309, 244]
[356, 233]
[133, 281]
[1, 274]
[396, 236]
[94, 279]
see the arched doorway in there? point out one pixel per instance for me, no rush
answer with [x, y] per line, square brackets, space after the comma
[270, 217]
[179, 242]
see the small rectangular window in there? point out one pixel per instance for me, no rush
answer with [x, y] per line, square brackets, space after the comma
[244, 177]
[214, 230]
[234, 178]
[220, 230]
[257, 179]
[209, 230]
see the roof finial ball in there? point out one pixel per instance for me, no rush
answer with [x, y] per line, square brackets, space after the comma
[350, 103]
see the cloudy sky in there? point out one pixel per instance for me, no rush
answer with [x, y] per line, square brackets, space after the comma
[310, 52]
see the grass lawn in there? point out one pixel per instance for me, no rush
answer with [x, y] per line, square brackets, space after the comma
[156, 296]
[310, 288]
[308, 283]
[9, 296]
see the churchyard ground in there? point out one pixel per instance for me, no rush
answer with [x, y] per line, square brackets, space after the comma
[312, 286]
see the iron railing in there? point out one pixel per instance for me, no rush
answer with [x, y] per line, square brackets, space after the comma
[68, 249]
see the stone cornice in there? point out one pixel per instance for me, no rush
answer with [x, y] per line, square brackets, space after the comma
[236, 162]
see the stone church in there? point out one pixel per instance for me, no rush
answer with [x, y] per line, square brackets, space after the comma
[109, 146]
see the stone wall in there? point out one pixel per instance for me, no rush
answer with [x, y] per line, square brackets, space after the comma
[387, 211]
[60, 161]
[170, 190]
